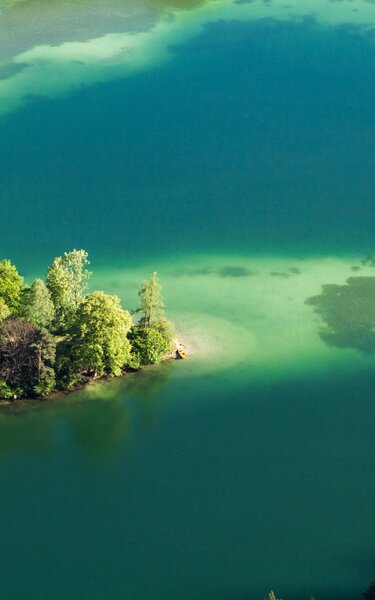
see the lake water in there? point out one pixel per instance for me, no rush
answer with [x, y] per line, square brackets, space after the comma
[230, 146]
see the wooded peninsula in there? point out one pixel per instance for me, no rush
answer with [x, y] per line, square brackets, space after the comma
[55, 336]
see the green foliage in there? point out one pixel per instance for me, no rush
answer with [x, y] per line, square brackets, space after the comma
[99, 340]
[67, 281]
[38, 306]
[67, 370]
[95, 340]
[10, 286]
[134, 362]
[27, 356]
[5, 391]
[148, 345]
[167, 330]
[4, 310]
[151, 303]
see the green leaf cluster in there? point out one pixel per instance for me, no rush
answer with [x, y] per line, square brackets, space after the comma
[4, 310]
[149, 347]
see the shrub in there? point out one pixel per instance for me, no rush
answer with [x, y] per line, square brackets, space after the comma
[149, 345]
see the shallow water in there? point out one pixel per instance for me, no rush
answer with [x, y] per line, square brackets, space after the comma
[229, 146]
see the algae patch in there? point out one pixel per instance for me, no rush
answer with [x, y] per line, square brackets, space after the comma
[348, 312]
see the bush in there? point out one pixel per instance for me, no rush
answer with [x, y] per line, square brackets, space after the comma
[149, 345]
[5, 391]
[167, 330]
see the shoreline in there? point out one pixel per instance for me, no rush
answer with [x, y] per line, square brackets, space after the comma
[55, 394]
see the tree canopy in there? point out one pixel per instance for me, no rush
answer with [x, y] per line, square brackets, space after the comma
[10, 286]
[38, 305]
[67, 280]
[27, 356]
[99, 341]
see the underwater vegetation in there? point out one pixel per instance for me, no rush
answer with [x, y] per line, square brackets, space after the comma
[348, 313]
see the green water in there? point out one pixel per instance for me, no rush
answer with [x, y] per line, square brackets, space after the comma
[230, 146]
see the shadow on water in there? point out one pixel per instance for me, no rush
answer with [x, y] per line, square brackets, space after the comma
[227, 271]
[348, 312]
[99, 419]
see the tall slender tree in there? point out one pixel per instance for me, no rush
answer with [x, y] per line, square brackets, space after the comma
[67, 281]
[10, 286]
[151, 303]
[39, 308]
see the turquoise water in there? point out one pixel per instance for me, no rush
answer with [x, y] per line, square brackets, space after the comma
[241, 168]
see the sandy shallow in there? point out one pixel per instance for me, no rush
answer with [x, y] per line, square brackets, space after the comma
[246, 312]
[50, 67]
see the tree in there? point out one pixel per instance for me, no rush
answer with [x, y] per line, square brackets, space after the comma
[149, 346]
[38, 305]
[98, 342]
[151, 303]
[27, 356]
[10, 286]
[167, 330]
[67, 281]
[4, 310]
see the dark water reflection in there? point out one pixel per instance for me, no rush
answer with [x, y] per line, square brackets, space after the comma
[156, 498]
[98, 420]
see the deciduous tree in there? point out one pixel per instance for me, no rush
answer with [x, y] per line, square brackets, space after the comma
[67, 281]
[99, 342]
[10, 286]
[38, 305]
[27, 355]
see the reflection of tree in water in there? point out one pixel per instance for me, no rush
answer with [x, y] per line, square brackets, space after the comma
[116, 411]
[21, 431]
[149, 382]
[100, 418]
[349, 313]
[99, 426]
[146, 388]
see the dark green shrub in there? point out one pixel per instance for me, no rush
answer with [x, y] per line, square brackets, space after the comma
[149, 345]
